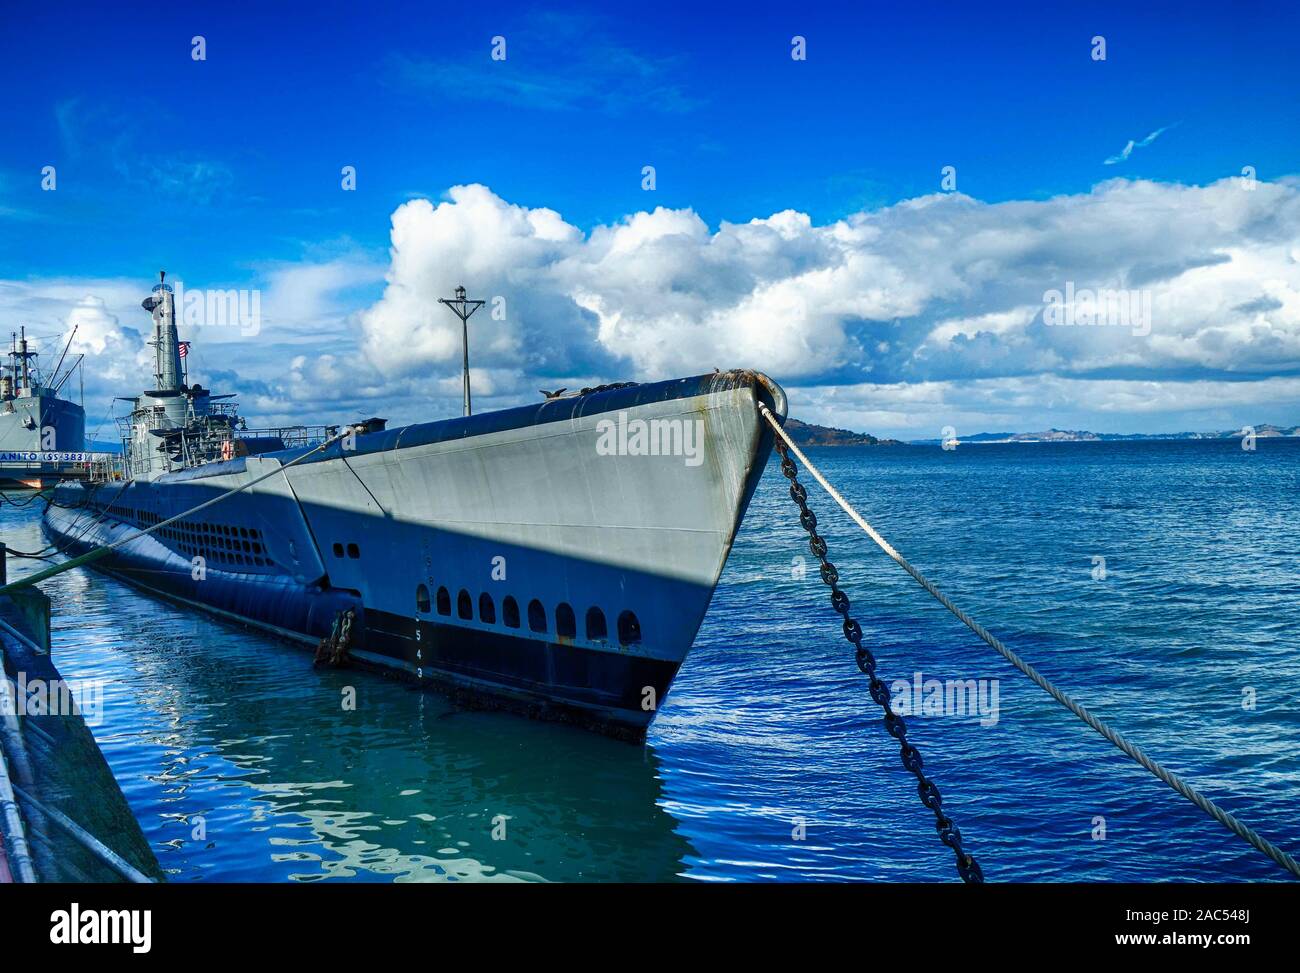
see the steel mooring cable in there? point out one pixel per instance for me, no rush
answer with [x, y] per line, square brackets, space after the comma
[967, 867]
[1225, 818]
[98, 552]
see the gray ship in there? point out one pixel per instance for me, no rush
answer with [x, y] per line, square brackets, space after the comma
[38, 430]
[555, 559]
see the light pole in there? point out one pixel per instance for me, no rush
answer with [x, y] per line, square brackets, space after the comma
[463, 309]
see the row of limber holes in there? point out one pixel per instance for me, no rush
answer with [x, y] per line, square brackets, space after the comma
[566, 624]
[220, 542]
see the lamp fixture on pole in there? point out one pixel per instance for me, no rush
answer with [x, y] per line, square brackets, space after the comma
[463, 309]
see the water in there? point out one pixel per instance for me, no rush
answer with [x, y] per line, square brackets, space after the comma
[243, 764]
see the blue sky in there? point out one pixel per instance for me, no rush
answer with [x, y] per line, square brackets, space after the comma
[227, 172]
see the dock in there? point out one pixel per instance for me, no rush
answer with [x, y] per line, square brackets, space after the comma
[63, 817]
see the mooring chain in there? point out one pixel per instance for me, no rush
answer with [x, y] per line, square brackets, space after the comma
[967, 867]
[1126, 746]
[332, 650]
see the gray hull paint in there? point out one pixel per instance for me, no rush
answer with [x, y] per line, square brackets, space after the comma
[23, 419]
[533, 512]
[40, 423]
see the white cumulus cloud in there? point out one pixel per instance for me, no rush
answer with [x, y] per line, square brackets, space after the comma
[897, 320]
[935, 288]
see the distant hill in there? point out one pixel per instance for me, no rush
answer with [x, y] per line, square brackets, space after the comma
[1264, 431]
[808, 434]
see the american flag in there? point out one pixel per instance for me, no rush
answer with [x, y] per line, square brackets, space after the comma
[184, 348]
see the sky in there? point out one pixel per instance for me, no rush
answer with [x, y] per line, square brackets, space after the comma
[939, 216]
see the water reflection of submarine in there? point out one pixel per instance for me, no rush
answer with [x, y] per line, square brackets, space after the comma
[405, 787]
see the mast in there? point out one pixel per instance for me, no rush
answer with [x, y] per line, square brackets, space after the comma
[9, 373]
[463, 309]
[166, 347]
[22, 364]
[55, 374]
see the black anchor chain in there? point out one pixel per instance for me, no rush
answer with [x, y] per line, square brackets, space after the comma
[967, 867]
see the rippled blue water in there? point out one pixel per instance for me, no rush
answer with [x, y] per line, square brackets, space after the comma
[769, 727]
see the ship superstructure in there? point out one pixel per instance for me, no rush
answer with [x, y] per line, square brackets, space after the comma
[32, 416]
[176, 426]
[556, 558]
[39, 431]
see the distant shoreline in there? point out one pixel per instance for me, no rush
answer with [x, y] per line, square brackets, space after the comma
[811, 434]
[1263, 431]
[936, 444]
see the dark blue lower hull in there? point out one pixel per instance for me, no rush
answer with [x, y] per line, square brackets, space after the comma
[609, 692]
